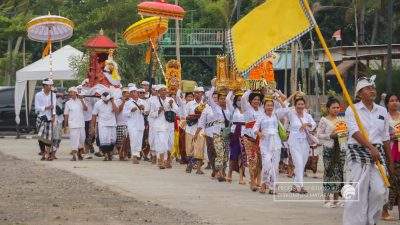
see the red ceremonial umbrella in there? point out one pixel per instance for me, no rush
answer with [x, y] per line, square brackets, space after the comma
[162, 9]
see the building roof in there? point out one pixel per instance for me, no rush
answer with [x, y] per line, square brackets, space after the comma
[100, 41]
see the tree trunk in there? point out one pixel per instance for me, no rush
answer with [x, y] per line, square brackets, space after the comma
[293, 69]
[286, 62]
[375, 27]
[362, 22]
[17, 45]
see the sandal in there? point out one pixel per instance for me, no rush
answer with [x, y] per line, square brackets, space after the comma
[263, 189]
[242, 182]
[253, 188]
[329, 205]
[221, 179]
[303, 191]
[388, 218]
[229, 179]
[271, 192]
[340, 204]
[294, 189]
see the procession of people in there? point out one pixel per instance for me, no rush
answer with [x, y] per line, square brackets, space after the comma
[234, 131]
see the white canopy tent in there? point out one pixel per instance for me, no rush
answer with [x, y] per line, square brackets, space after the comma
[39, 70]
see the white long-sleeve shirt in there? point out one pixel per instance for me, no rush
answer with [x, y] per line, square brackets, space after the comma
[207, 116]
[74, 110]
[269, 127]
[160, 123]
[296, 123]
[148, 108]
[42, 101]
[181, 104]
[324, 130]
[250, 114]
[135, 120]
[120, 117]
[190, 110]
[218, 114]
[376, 123]
[105, 114]
[237, 115]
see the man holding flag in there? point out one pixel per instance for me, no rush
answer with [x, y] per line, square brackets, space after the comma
[371, 193]
[251, 41]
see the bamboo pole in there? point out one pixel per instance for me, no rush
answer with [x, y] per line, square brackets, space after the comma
[342, 85]
[177, 37]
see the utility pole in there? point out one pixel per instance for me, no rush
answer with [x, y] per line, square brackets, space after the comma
[356, 25]
[389, 47]
[177, 38]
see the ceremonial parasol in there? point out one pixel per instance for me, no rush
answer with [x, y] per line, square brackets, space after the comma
[148, 29]
[49, 28]
[143, 30]
[162, 9]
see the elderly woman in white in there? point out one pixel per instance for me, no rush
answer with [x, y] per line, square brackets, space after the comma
[266, 127]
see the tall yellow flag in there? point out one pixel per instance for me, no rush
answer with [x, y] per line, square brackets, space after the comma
[268, 27]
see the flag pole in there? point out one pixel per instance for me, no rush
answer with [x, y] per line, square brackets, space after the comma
[342, 85]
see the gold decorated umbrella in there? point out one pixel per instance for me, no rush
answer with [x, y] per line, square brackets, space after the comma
[145, 30]
[49, 28]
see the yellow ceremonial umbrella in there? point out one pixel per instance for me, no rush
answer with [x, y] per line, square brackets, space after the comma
[49, 28]
[144, 30]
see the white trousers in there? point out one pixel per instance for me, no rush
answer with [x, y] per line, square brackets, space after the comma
[370, 195]
[76, 138]
[270, 166]
[135, 139]
[152, 137]
[299, 149]
[164, 141]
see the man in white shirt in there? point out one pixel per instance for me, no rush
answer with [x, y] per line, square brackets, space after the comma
[104, 113]
[89, 138]
[365, 206]
[194, 149]
[152, 133]
[145, 85]
[133, 111]
[182, 121]
[163, 126]
[58, 124]
[122, 143]
[45, 107]
[75, 120]
[145, 142]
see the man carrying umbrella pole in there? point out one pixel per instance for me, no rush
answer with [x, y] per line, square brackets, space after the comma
[365, 206]
[45, 101]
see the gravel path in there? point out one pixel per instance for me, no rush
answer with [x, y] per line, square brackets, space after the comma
[35, 194]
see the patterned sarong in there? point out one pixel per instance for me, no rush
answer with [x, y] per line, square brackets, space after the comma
[45, 133]
[253, 156]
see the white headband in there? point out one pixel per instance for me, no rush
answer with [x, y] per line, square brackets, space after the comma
[48, 81]
[365, 82]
